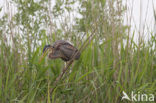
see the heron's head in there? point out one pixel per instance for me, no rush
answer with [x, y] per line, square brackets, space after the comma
[46, 47]
[46, 50]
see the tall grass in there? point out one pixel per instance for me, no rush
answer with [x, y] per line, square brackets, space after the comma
[111, 63]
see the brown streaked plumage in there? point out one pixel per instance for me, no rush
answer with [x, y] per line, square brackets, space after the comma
[62, 49]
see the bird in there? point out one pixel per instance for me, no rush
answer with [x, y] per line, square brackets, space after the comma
[62, 49]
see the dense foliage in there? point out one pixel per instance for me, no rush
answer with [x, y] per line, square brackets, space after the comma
[110, 63]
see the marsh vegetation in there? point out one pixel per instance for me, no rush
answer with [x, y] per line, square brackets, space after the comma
[111, 61]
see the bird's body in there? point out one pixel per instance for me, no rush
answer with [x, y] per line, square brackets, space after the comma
[62, 49]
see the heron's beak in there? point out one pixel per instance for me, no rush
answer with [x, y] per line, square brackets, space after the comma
[44, 54]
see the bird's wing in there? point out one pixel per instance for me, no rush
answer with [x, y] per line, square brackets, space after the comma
[66, 44]
[67, 50]
[71, 51]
